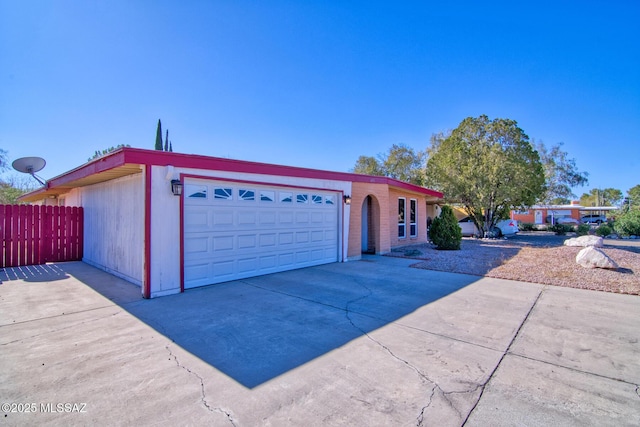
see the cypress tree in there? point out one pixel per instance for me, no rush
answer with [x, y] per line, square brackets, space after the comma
[171, 147]
[166, 142]
[445, 232]
[159, 137]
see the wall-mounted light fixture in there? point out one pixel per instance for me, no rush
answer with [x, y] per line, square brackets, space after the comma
[176, 187]
[347, 199]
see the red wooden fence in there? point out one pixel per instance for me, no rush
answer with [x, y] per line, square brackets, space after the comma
[39, 234]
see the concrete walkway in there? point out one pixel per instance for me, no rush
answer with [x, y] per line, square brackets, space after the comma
[366, 343]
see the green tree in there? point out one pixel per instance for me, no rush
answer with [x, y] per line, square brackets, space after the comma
[445, 232]
[403, 163]
[367, 165]
[400, 162]
[601, 197]
[633, 197]
[166, 142]
[159, 137]
[561, 174]
[487, 166]
[628, 224]
[13, 187]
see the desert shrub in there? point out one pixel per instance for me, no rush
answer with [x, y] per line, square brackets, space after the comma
[628, 224]
[527, 226]
[560, 229]
[603, 230]
[445, 232]
[583, 229]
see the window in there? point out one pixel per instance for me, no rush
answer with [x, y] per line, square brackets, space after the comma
[413, 214]
[316, 199]
[402, 224]
[247, 195]
[267, 196]
[329, 200]
[196, 191]
[302, 198]
[222, 193]
[286, 197]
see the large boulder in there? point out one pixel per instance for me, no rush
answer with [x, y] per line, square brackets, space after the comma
[591, 257]
[585, 241]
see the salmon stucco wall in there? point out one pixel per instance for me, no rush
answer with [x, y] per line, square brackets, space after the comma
[421, 220]
[380, 202]
[385, 217]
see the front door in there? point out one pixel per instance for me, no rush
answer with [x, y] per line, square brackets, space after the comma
[538, 215]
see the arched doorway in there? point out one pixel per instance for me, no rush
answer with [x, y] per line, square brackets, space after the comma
[370, 225]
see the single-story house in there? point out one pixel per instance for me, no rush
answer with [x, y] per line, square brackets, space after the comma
[168, 221]
[546, 214]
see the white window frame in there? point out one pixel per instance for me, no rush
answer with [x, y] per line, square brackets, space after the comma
[402, 218]
[413, 218]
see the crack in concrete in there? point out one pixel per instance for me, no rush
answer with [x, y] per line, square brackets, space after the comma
[347, 311]
[203, 396]
[422, 375]
[75, 325]
[570, 368]
[507, 351]
[638, 390]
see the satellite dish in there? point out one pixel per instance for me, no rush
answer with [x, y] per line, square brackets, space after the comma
[30, 165]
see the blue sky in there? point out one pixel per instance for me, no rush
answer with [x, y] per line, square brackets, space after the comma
[316, 83]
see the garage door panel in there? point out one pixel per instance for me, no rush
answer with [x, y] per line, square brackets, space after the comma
[197, 219]
[196, 272]
[247, 242]
[268, 240]
[267, 218]
[302, 218]
[247, 265]
[222, 218]
[196, 245]
[303, 257]
[302, 237]
[268, 262]
[285, 238]
[285, 218]
[286, 259]
[247, 218]
[222, 243]
[234, 231]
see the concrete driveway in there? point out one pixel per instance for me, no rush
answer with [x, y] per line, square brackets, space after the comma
[367, 343]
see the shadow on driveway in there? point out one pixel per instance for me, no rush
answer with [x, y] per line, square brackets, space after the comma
[33, 273]
[256, 329]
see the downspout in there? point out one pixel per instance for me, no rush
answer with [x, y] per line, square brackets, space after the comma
[146, 285]
[182, 237]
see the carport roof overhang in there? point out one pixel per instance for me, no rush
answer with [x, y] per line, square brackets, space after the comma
[128, 161]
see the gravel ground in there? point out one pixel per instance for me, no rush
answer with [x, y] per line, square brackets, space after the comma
[537, 257]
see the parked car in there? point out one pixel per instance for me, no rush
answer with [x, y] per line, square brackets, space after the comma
[594, 219]
[562, 220]
[505, 227]
[567, 220]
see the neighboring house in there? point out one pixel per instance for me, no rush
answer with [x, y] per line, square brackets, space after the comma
[234, 219]
[545, 214]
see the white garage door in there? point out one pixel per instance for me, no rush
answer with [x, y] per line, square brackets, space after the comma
[236, 230]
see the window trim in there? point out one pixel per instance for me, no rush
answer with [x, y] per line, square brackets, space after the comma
[402, 218]
[413, 218]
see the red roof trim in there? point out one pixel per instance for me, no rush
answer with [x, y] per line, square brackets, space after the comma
[128, 155]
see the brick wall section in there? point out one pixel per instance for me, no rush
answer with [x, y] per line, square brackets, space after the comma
[421, 200]
[380, 195]
[385, 201]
